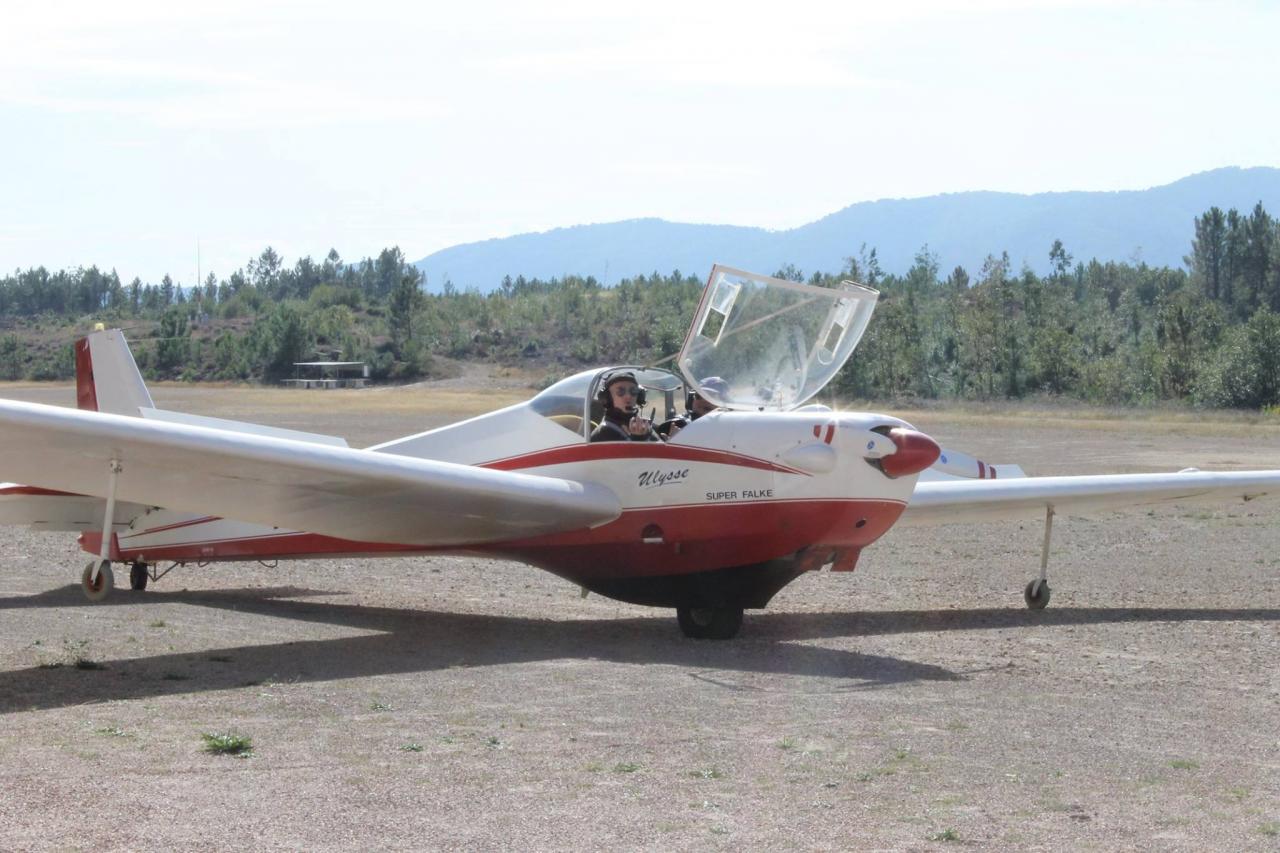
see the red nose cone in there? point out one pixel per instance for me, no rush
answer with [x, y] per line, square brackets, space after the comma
[916, 451]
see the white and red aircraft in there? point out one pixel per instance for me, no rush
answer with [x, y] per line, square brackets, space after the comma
[717, 519]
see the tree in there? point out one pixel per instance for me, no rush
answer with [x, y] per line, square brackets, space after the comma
[12, 356]
[870, 265]
[174, 343]
[387, 272]
[1208, 252]
[922, 278]
[1059, 260]
[1260, 235]
[264, 272]
[404, 302]
[279, 339]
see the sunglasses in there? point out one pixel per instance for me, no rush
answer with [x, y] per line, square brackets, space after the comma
[632, 391]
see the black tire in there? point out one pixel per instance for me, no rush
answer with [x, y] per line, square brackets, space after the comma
[709, 623]
[138, 576]
[1036, 594]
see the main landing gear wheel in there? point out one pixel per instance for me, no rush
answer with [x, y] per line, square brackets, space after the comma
[96, 589]
[709, 623]
[1036, 594]
[138, 576]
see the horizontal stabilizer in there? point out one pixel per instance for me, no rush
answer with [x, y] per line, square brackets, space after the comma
[953, 464]
[241, 426]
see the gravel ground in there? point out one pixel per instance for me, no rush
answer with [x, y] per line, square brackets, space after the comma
[462, 703]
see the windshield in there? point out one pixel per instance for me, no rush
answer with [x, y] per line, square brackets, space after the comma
[765, 343]
[565, 401]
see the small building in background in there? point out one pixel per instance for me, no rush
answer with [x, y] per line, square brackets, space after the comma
[329, 374]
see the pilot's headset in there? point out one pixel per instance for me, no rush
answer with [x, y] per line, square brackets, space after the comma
[603, 394]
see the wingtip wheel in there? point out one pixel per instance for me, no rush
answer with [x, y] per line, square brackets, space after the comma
[709, 623]
[96, 581]
[1036, 594]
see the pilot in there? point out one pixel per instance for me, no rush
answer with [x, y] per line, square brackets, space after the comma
[697, 404]
[622, 397]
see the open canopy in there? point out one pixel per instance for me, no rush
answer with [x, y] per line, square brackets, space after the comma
[771, 344]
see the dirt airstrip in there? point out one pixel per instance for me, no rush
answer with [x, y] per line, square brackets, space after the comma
[462, 703]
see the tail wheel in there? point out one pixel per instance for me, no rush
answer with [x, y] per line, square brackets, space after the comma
[709, 623]
[138, 576]
[97, 588]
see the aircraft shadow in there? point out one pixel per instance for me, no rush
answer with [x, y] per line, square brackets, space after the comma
[422, 640]
[880, 623]
[414, 640]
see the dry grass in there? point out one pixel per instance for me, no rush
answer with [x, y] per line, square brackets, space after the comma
[384, 400]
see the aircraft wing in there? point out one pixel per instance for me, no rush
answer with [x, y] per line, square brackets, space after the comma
[953, 501]
[280, 482]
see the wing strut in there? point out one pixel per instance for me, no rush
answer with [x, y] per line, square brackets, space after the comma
[105, 550]
[97, 580]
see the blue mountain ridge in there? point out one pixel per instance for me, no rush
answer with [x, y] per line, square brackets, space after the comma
[1154, 226]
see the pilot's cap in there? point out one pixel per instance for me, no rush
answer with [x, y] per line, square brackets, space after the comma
[715, 385]
[618, 377]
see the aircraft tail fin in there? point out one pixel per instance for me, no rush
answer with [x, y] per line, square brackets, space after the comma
[108, 380]
[107, 377]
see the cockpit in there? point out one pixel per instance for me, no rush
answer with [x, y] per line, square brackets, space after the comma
[574, 403]
[756, 344]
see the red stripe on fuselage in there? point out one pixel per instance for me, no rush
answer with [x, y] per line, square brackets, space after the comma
[600, 450]
[175, 526]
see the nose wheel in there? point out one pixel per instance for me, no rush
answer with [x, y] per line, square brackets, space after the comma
[709, 623]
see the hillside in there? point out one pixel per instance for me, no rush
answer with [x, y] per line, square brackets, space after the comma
[1153, 226]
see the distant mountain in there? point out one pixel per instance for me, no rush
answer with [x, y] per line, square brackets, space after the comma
[1154, 225]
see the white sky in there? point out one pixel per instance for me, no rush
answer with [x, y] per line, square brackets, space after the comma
[128, 131]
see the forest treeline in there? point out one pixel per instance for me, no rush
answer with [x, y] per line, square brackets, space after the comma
[1101, 332]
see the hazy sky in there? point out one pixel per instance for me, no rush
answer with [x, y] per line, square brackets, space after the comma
[130, 131]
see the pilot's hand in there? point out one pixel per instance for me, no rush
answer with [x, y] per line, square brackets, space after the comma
[639, 425]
